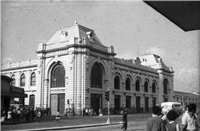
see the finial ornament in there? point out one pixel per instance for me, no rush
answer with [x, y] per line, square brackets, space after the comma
[75, 23]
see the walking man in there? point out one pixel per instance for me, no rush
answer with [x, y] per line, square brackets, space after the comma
[155, 123]
[124, 120]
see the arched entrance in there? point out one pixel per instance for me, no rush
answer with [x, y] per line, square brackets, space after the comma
[57, 99]
[96, 83]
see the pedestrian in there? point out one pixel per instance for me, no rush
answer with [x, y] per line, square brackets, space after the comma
[26, 111]
[39, 115]
[86, 112]
[3, 116]
[18, 115]
[89, 112]
[83, 112]
[9, 115]
[32, 114]
[92, 112]
[100, 113]
[124, 120]
[172, 125]
[155, 123]
[189, 119]
[14, 114]
[57, 116]
[198, 120]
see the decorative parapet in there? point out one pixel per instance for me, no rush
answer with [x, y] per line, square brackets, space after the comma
[28, 63]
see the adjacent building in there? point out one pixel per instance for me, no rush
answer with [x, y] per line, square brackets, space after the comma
[73, 70]
[9, 93]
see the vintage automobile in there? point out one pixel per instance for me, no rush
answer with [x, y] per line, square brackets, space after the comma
[167, 106]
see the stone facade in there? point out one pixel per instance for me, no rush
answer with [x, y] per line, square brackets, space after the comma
[137, 84]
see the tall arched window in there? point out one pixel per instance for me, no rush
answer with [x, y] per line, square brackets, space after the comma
[117, 82]
[146, 86]
[58, 76]
[137, 88]
[22, 80]
[33, 79]
[128, 84]
[154, 87]
[13, 81]
[96, 76]
[165, 86]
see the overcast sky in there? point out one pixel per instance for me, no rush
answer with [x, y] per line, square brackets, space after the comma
[131, 27]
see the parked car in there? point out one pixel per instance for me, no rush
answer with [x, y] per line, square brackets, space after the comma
[167, 106]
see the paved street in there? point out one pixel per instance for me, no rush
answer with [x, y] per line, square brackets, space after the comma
[132, 126]
[135, 121]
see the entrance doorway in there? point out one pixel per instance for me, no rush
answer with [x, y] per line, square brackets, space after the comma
[96, 102]
[32, 101]
[138, 104]
[57, 103]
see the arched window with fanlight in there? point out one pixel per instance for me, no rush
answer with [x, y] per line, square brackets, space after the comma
[58, 76]
[154, 87]
[117, 82]
[22, 80]
[137, 85]
[146, 86]
[13, 80]
[96, 76]
[128, 84]
[33, 79]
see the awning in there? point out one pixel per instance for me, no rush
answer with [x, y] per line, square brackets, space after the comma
[13, 94]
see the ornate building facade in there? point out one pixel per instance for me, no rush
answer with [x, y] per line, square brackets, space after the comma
[74, 70]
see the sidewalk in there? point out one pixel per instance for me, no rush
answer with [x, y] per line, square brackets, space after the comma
[48, 122]
[66, 123]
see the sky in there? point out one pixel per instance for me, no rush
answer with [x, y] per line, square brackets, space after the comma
[132, 27]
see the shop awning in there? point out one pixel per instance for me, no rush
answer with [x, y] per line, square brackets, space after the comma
[13, 94]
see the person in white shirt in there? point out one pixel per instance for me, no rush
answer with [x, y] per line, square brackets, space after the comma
[57, 115]
[189, 119]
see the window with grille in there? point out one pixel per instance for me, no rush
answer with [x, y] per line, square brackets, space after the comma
[96, 76]
[58, 76]
[33, 79]
[22, 80]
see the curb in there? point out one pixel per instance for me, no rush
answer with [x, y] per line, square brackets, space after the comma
[70, 127]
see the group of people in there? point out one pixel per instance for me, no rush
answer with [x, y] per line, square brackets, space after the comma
[172, 121]
[16, 114]
[88, 112]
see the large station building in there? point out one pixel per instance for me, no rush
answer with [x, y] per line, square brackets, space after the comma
[74, 70]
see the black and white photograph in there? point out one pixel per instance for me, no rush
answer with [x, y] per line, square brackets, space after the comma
[100, 65]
